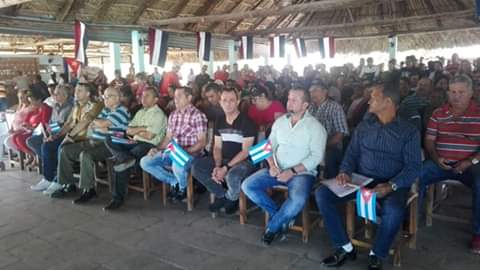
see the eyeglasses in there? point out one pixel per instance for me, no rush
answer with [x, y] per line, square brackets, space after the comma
[109, 96]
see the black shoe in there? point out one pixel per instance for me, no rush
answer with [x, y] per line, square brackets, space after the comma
[268, 237]
[173, 192]
[374, 263]
[113, 205]
[181, 195]
[86, 196]
[339, 257]
[231, 207]
[217, 205]
[70, 188]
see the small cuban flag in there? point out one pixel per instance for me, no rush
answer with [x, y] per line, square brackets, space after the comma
[54, 127]
[366, 204]
[122, 140]
[260, 151]
[179, 156]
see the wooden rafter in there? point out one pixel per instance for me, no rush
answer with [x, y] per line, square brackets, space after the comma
[411, 19]
[203, 11]
[214, 25]
[65, 10]
[324, 5]
[102, 11]
[234, 26]
[181, 5]
[144, 4]
[8, 3]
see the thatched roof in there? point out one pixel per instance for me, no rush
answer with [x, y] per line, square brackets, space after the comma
[358, 25]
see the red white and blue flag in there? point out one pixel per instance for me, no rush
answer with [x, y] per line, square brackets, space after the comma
[277, 46]
[179, 156]
[366, 204]
[157, 46]
[261, 151]
[54, 127]
[246, 47]
[327, 47]
[81, 42]
[204, 42]
[300, 47]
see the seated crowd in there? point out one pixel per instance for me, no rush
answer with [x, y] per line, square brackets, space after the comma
[350, 120]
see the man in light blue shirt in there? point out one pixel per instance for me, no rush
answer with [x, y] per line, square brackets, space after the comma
[298, 142]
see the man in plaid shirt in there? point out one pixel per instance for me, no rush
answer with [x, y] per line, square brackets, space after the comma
[332, 117]
[188, 126]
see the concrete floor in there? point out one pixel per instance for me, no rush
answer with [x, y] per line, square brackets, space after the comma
[40, 233]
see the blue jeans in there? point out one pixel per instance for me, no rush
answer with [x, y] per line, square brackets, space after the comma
[432, 173]
[299, 187]
[35, 144]
[159, 167]
[49, 156]
[392, 214]
[333, 159]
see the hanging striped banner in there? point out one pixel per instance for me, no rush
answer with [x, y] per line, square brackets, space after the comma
[277, 46]
[246, 47]
[260, 151]
[327, 47]
[179, 156]
[477, 8]
[157, 46]
[204, 41]
[81, 42]
[300, 47]
[366, 204]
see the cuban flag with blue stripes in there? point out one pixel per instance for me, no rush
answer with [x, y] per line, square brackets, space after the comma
[260, 151]
[119, 140]
[54, 127]
[179, 156]
[366, 204]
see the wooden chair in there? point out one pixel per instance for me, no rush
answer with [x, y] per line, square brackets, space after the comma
[435, 195]
[16, 158]
[408, 234]
[165, 188]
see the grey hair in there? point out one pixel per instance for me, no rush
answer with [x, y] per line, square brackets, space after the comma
[66, 89]
[462, 79]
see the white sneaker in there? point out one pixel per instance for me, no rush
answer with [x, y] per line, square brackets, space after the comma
[41, 186]
[54, 186]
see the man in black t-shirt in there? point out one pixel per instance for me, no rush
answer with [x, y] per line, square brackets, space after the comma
[222, 173]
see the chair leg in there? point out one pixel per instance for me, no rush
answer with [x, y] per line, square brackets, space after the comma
[242, 201]
[190, 193]
[21, 157]
[267, 217]
[146, 180]
[10, 158]
[165, 189]
[350, 222]
[430, 202]
[306, 222]
[412, 225]
[110, 174]
[212, 201]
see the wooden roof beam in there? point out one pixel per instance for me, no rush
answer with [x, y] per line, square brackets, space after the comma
[293, 9]
[450, 15]
[181, 5]
[214, 25]
[102, 11]
[241, 20]
[203, 10]
[7, 3]
[144, 4]
[65, 10]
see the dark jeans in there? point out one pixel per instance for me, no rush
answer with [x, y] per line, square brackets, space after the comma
[49, 156]
[35, 144]
[432, 173]
[120, 180]
[299, 188]
[392, 212]
[202, 170]
[333, 159]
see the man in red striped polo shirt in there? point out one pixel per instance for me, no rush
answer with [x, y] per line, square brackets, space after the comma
[452, 142]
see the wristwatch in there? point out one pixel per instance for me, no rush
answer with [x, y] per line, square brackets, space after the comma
[475, 161]
[228, 167]
[394, 186]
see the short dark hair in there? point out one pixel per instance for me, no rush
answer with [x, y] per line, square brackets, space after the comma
[390, 90]
[213, 87]
[231, 90]
[187, 90]
[153, 90]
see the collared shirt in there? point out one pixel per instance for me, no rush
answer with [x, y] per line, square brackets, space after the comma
[88, 111]
[331, 115]
[60, 113]
[154, 120]
[456, 138]
[119, 118]
[412, 108]
[388, 152]
[304, 143]
[186, 125]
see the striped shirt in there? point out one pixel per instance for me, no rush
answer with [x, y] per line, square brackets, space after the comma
[388, 152]
[412, 108]
[331, 115]
[456, 138]
[119, 118]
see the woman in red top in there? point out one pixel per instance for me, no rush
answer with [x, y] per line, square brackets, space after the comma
[264, 110]
[39, 114]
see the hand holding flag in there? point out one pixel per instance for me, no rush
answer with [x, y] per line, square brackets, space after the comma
[366, 204]
[179, 156]
[260, 151]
